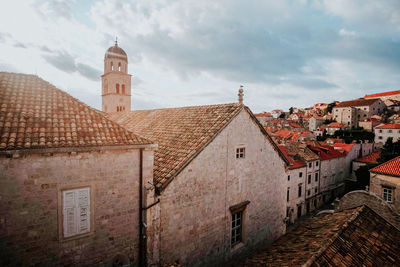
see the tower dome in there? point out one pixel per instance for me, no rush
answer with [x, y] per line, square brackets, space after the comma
[116, 52]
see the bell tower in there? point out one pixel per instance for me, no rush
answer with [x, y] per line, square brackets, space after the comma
[116, 82]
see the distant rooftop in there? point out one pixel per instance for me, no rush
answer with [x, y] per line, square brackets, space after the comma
[383, 94]
[356, 103]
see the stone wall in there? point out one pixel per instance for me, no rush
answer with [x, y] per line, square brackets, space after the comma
[30, 205]
[195, 215]
[360, 197]
[379, 181]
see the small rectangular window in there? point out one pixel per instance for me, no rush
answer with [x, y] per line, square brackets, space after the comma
[310, 165]
[309, 178]
[76, 211]
[300, 174]
[316, 163]
[316, 190]
[390, 131]
[288, 177]
[299, 193]
[387, 194]
[316, 177]
[308, 192]
[287, 194]
[236, 232]
[240, 152]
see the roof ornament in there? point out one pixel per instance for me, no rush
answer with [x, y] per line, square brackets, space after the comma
[240, 94]
[116, 41]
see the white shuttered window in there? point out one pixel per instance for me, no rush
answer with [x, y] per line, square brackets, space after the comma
[76, 211]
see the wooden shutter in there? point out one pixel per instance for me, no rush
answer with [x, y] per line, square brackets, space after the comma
[83, 210]
[76, 211]
[69, 213]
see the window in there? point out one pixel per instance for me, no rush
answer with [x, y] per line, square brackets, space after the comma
[299, 193]
[316, 190]
[119, 66]
[317, 163]
[287, 194]
[300, 174]
[123, 89]
[380, 137]
[288, 177]
[390, 131]
[316, 177]
[112, 66]
[76, 211]
[308, 192]
[240, 152]
[380, 131]
[309, 178]
[387, 194]
[117, 88]
[309, 164]
[236, 233]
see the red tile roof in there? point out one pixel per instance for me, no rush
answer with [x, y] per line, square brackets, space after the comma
[389, 126]
[343, 147]
[181, 133]
[263, 114]
[294, 163]
[371, 158]
[356, 103]
[383, 94]
[391, 167]
[35, 114]
[326, 152]
[355, 237]
[336, 125]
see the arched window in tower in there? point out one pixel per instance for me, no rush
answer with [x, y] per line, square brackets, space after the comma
[119, 66]
[123, 89]
[112, 66]
[117, 88]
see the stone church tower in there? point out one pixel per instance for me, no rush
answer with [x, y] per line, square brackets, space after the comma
[116, 82]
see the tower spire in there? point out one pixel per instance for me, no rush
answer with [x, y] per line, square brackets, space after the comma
[116, 40]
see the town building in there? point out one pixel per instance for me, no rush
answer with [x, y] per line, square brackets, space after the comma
[314, 123]
[384, 96]
[369, 124]
[351, 112]
[352, 237]
[264, 117]
[276, 113]
[221, 190]
[363, 161]
[332, 127]
[385, 131]
[70, 179]
[385, 182]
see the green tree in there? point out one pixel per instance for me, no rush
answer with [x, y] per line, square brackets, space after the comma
[363, 175]
[330, 107]
[291, 110]
[389, 151]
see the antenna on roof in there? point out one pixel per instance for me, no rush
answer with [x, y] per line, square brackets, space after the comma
[240, 94]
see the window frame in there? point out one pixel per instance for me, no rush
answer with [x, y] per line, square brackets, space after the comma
[60, 214]
[240, 154]
[238, 209]
[388, 193]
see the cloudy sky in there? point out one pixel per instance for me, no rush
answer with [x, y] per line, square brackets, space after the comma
[285, 53]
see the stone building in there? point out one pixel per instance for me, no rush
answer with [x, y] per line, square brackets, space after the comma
[314, 123]
[384, 131]
[70, 179]
[385, 96]
[353, 111]
[385, 182]
[116, 82]
[219, 181]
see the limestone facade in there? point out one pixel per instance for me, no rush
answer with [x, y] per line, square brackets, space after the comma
[380, 184]
[31, 206]
[194, 211]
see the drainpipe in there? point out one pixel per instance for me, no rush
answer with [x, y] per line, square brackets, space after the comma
[142, 244]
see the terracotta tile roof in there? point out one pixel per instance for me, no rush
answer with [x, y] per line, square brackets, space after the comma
[263, 114]
[356, 237]
[371, 158]
[383, 94]
[181, 133]
[336, 125]
[35, 114]
[343, 147]
[302, 150]
[325, 152]
[291, 158]
[389, 126]
[356, 103]
[391, 167]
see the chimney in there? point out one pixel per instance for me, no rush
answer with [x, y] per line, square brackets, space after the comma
[240, 94]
